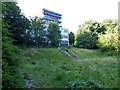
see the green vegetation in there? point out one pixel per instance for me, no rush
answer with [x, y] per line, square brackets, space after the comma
[50, 68]
[54, 35]
[87, 40]
[87, 34]
[109, 41]
[43, 65]
[104, 36]
[71, 38]
[17, 30]
[37, 32]
[10, 77]
[17, 22]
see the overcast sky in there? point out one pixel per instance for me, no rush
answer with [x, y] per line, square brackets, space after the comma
[74, 12]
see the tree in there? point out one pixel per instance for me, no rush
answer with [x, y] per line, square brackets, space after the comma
[38, 32]
[54, 35]
[9, 52]
[18, 23]
[110, 40]
[71, 38]
[93, 28]
[87, 40]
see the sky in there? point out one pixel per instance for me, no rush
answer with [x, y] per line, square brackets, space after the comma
[74, 12]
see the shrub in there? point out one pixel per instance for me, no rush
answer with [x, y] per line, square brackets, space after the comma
[87, 40]
[10, 77]
[110, 40]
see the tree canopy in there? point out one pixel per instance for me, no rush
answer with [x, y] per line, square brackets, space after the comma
[37, 31]
[110, 40]
[18, 23]
[88, 32]
[54, 35]
[10, 26]
[102, 35]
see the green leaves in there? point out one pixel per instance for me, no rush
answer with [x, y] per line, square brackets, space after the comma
[86, 40]
[92, 34]
[86, 36]
[71, 38]
[109, 41]
[10, 13]
[17, 22]
[54, 33]
[91, 26]
[38, 30]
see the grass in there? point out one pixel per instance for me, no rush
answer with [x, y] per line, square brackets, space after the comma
[50, 68]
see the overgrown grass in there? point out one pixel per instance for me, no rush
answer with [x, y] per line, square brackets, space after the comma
[50, 68]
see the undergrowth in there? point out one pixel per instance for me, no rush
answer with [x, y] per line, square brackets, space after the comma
[50, 68]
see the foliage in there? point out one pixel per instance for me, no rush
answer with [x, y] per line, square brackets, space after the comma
[50, 68]
[109, 41]
[107, 31]
[71, 38]
[91, 26]
[38, 32]
[87, 34]
[18, 23]
[87, 40]
[10, 78]
[54, 35]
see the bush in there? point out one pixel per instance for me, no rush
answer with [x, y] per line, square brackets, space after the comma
[109, 42]
[10, 77]
[87, 40]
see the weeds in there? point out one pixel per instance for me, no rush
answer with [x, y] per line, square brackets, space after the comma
[49, 67]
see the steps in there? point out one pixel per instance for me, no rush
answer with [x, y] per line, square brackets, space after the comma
[69, 53]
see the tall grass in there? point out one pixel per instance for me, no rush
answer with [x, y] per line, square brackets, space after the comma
[50, 68]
